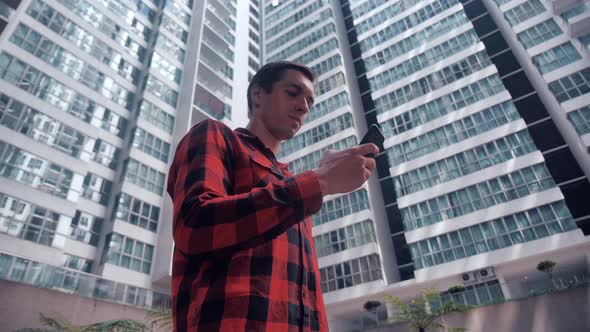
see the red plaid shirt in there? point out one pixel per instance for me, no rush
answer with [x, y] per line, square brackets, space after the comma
[244, 258]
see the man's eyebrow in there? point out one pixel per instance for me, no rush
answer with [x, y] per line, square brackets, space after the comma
[295, 85]
[299, 90]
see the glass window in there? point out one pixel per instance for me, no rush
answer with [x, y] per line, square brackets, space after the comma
[491, 235]
[72, 66]
[27, 221]
[524, 12]
[580, 119]
[29, 169]
[134, 255]
[166, 68]
[556, 57]
[60, 96]
[429, 58]
[352, 202]
[438, 170]
[308, 40]
[440, 107]
[318, 51]
[288, 15]
[351, 273]
[137, 212]
[40, 127]
[86, 228]
[539, 33]
[151, 145]
[161, 90]
[96, 188]
[571, 86]
[310, 22]
[464, 200]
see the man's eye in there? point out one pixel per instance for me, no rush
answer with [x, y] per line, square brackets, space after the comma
[292, 94]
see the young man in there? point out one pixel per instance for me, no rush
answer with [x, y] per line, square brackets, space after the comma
[244, 258]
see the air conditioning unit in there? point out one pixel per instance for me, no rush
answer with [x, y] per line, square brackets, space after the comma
[468, 278]
[485, 274]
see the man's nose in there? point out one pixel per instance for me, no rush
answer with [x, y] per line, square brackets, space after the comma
[303, 105]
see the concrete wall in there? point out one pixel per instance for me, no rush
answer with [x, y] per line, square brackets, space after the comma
[564, 311]
[21, 304]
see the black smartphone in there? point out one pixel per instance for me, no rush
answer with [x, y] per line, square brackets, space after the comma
[375, 136]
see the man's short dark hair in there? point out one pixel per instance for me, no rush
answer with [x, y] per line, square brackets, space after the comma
[272, 72]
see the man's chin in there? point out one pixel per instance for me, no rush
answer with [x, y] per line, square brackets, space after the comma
[286, 137]
[289, 133]
[294, 132]
[285, 134]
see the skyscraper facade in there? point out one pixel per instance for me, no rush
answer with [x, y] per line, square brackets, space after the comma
[484, 105]
[93, 96]
[485, 166]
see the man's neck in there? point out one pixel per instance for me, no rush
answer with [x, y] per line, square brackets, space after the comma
[258, 129]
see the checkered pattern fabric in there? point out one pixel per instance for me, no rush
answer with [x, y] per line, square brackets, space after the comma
[244, 258]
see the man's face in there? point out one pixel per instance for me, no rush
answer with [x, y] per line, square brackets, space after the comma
[283, 110]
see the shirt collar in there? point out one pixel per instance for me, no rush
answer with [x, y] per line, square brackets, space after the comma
[254, 140]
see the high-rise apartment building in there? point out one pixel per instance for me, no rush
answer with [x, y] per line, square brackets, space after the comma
[93, 97]
[485, 166]
[484, 104]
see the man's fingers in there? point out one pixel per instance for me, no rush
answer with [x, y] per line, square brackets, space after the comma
[370, 164]
[367, 174]
[368, 167]
[366, 149]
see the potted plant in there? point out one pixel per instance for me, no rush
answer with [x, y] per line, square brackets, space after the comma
[371, 306]
[456, 289]
[547, 267]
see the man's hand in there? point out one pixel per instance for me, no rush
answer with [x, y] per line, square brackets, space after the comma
[346, 170]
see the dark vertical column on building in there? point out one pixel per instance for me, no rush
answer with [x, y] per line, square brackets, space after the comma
[142, 78]
[559, 160]
[402, 251]
[6, 6]
[12, 3]
[3, 24]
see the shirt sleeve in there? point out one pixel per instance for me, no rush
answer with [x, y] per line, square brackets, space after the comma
[209, 220]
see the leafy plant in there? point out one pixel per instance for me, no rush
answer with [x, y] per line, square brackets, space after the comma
[160, 320]
[424, 311]
[456, 289]
[60, 324]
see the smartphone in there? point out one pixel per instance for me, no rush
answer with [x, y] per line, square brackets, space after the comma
[375, 136]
